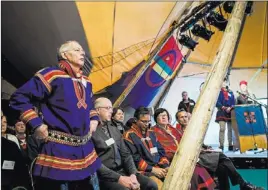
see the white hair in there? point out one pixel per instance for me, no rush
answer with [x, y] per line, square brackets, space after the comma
[65, 47]
[99, 102]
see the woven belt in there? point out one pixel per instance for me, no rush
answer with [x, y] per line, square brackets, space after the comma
[68, 139]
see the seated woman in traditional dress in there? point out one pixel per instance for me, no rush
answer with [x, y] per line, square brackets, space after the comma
[148, 154]
[169, 137]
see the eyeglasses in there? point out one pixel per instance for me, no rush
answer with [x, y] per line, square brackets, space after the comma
[146, 121]
[107, 107]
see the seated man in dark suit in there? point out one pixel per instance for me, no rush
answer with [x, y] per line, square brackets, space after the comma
[14, 170]
[118, 170]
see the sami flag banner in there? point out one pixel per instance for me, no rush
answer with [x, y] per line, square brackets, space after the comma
[160, 70]
[115, 90]
[249, 124]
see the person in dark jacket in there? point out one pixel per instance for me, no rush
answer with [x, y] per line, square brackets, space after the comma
[118, 116]
[187, 104]
[118, 170]
[14, 171]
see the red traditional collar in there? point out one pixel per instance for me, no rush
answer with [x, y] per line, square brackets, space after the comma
[225, 93]
[64, 65]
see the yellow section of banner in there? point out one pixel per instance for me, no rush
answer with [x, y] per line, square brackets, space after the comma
[247, 142]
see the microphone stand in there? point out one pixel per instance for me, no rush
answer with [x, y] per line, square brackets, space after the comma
[261, 104]
[255, 101]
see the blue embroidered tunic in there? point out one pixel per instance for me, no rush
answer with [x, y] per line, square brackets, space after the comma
[226, 99]
[147, 152]
[66, 105]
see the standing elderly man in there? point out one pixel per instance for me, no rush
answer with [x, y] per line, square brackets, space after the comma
[67, 159]
[118, 171]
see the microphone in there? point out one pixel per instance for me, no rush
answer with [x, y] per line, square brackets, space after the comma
[242, 94]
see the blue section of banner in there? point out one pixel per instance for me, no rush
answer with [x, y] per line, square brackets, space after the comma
[142, 94]
[250, 120]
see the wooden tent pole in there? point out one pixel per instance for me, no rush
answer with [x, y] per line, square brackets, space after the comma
[133, 82]
[184, 161]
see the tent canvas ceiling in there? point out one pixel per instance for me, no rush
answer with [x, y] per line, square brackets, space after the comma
[252, 48]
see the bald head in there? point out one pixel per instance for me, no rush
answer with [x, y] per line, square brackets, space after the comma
[104, 108]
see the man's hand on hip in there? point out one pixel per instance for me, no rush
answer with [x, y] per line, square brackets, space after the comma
[93, 125]
[41, 132]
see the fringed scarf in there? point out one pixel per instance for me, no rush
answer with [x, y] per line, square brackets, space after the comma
[78, 86]
[225, 93]
[64, 65]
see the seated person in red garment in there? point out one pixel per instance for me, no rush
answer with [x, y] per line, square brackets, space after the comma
[217, 163]
[169, 138]
[148, 154]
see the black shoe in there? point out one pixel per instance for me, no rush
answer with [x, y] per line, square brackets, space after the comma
[237, 149]
[253, 149]
[249, 186]
[231, 148]
[221, 147]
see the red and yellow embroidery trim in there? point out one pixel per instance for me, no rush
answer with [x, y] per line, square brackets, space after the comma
[93, 113]
[50, 76]
[66, 164]
[163, 161]
[28, 115]
[142, 165]
[47, 85]
[126, 136]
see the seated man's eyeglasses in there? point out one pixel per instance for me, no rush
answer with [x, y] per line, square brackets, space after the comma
[146, 121]
[107, 107]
